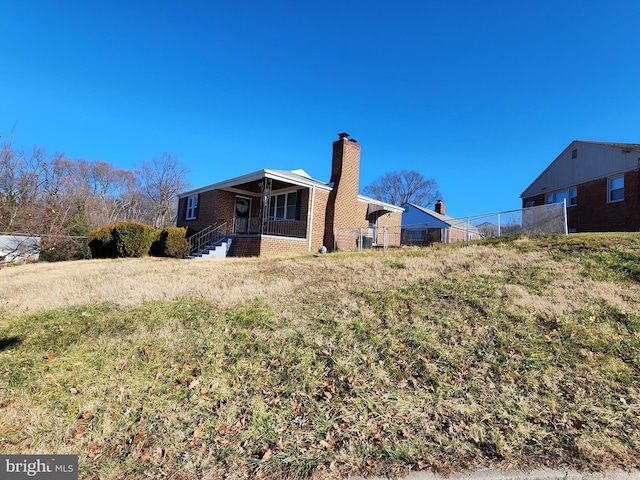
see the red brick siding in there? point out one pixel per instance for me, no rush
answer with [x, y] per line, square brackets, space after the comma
[594, 214]
[265, 245]
[274, 246]
[246, 246]
[319, 207]
[393, 220]
[342, 205]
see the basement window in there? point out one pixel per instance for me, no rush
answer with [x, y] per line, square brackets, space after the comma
[616, 189]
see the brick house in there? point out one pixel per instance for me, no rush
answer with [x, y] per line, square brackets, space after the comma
[600, 183]
[421, 226]
[276, 212]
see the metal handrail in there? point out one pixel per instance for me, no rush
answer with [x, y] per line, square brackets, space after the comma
[279, 227]
[207, 236]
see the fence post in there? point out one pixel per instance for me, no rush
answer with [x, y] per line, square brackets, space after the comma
[564, 211]
[386, 238]
[499, 227]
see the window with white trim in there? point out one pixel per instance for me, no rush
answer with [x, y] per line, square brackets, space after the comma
[615, 190]
[192, 207]
[283, 206]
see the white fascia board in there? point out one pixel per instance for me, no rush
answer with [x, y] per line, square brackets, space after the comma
[529, 191]
[388, 206]
[251, 177]
[298, 180]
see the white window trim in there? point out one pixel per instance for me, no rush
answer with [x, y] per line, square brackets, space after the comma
[192, 206]
[609, 190]
[273, 201]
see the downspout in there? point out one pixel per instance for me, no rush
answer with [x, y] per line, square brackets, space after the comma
[313, 201]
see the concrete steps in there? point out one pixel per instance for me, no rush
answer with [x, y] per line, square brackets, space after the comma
[220, 249]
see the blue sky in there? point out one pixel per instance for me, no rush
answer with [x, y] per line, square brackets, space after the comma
[480, 95]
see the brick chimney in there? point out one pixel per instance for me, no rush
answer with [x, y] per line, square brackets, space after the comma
[345, 177]
[440, 208]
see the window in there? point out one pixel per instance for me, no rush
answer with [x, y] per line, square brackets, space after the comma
[574, 153]
[283, 206]
[192, 208]
[562, 196]
[616, 189]
[529, 204]
[570, 196]
[573, 197]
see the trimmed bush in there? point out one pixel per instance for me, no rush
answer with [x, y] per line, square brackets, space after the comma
[174, 242]
[102, 243]
[123, 239]
[132, 239]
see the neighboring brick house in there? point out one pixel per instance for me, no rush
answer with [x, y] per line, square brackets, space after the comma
[600, 183]
[421, 226]
[276, 212]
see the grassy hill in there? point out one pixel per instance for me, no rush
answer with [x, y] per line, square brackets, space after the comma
[508, 354]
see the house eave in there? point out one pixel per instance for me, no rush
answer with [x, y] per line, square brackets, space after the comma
[255, 176]
[387, 206]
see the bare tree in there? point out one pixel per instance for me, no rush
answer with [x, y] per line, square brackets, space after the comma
[162, 180]
[406, 186]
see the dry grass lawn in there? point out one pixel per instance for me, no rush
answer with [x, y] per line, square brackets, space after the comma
[512, 354]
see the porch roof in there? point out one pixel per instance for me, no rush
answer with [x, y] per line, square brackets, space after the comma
[250, 182]
[377, 205]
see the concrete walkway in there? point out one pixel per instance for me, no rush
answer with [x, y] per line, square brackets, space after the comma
[541, 474]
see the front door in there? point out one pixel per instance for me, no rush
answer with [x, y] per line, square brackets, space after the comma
[242, 219]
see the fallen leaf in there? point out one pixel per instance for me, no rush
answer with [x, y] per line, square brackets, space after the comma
[267, 455]
[145, 458]
[327, 445]
[198, 430]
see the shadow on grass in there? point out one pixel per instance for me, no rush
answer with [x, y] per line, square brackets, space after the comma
[9, 342]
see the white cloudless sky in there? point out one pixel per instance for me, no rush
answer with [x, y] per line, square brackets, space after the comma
[479, 95]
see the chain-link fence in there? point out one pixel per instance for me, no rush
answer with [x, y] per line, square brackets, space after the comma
[349, 239]
[550, 219]
[541, 220]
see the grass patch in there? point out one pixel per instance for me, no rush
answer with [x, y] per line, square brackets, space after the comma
[444, 373]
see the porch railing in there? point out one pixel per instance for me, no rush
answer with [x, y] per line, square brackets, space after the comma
[207, 236]
[283, 228]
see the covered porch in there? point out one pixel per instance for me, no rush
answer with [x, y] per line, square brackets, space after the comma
[265, 212]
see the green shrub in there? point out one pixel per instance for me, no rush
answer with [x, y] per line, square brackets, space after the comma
[132, 239]
[170, 242]
[102, 242]
[174, 241]
[157, 245]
